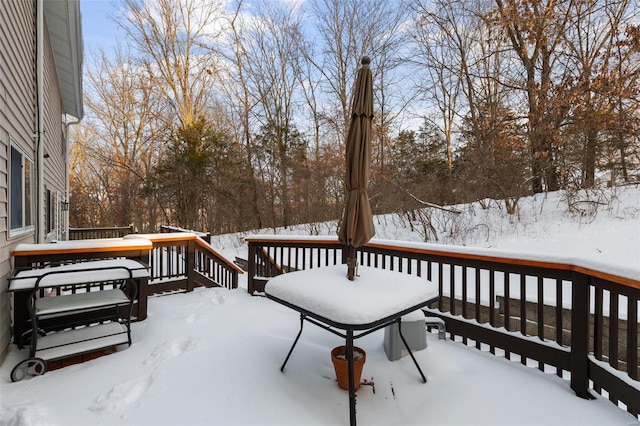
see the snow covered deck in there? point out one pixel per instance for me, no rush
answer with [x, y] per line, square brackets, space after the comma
[216, 351]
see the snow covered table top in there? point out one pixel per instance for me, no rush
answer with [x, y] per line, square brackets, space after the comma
[374, 295]
[79, 273]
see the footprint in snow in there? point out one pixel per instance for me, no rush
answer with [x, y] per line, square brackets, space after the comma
[171, 349]
[216, 296]
[125, 393]
[219, 299]
[25, 415]
[192, 318]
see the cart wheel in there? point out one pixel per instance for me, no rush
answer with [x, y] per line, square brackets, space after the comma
[25, 338]
[28, 367]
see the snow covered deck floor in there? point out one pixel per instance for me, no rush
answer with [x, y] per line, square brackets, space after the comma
[212, 357]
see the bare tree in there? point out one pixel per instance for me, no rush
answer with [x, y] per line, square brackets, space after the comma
[174, 38]
[349, 29]
[241, 102]
[593, 77]
[460, 59]
[442, 47]
[273, 75]
[513, 95]
[125, 121]
[625, 96]
[535, 30]
[86, 190]
[387, 41]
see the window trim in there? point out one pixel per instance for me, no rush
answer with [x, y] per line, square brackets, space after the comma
[52, 215]
[26, 228]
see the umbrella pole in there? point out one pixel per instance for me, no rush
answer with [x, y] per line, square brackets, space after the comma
[352, 262]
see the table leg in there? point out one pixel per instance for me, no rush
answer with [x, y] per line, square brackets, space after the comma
[406, 345]
[352, 387]
[294, 343]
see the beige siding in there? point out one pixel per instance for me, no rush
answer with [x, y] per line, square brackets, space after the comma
[17, 118]
[18, 111]
[55, 165]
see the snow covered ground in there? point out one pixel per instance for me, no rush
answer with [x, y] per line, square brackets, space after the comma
[213, 356]
[602, 225]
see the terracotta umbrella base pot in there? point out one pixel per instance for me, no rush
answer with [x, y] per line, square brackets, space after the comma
[339, 359]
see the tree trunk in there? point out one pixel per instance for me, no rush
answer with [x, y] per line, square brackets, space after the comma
[589, 164]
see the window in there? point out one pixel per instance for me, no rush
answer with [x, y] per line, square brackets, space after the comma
[20, 191]
[48, 211]
[52, 211]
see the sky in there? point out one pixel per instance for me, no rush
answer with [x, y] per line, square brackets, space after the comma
[98, 27]
[212, 356]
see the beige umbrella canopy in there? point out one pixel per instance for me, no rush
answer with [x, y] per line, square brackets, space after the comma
[356, 227]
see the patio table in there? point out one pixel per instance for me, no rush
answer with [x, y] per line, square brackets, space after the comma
[351, 309]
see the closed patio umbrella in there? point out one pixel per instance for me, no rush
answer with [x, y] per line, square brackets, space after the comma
[356, 227]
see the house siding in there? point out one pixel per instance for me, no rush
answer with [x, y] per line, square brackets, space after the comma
[18, 122]
[54, 171]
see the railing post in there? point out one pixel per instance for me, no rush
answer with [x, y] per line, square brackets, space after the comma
[579, 361]
[143, 291]
[234, 279]
[191, 265]
[252, 268]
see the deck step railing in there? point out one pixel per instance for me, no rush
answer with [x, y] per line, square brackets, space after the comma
[574, 320]
[182, 261]
[164, 229]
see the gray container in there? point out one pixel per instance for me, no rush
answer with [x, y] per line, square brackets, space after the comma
[414, 332]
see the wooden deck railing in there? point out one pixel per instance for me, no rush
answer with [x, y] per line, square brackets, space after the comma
[164, 229]
[574, 319]
[183, 261]
[98, 233]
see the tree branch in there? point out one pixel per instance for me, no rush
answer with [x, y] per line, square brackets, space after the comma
[424, 203]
